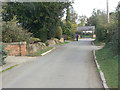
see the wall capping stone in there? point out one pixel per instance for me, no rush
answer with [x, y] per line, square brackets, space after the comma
[15, 43]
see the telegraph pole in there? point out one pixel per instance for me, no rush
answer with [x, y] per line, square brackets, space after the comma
[108, 21]
[108, 17]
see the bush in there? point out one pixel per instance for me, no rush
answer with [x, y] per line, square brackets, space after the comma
[114, 41]
[70, 38]
[72, 34]
[11, 32]
[34, 40]
[42, 34]
[101, 33]
[3, 55]
[59, 33]
[46, 44]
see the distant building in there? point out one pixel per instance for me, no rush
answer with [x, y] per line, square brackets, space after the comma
[86, 28]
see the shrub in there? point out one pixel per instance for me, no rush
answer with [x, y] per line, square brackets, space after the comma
[3, 55]
[101, 33]
[46, 44]
[11, 32]
[34, 40]
[72, 34]
[42, 34]
[59, 33]
[70, 38]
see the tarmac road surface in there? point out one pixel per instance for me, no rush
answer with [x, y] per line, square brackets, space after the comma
[68, 66]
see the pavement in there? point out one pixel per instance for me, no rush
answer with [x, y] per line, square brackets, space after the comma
[68, 66]
[15, 60]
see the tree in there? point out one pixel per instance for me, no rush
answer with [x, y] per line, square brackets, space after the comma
[39, 18]
[69, 25]
[59, 33]
[68, 15]
[73, 15]
[98, 17]
[82, 20]
[99, 20]
[106, 32]
[67, 28]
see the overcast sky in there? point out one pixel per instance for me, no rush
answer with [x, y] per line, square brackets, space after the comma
[85, 7]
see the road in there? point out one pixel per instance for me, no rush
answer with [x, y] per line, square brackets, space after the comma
[68, 66]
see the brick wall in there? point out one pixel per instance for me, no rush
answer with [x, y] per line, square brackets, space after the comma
[16, 49]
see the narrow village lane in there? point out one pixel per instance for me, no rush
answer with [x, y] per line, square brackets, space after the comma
[69, 66]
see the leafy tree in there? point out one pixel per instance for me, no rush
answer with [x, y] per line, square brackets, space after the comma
[40, 18]
[59, 33]
[82, 20]
[67, 28]
[68, 15]
[106, 32]
[73, 15]
[69, 25]
[98, 19]
[73, 30]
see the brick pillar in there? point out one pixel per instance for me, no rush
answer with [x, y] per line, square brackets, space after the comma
[16, 49]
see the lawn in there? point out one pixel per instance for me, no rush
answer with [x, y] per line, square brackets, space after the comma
[109, 65]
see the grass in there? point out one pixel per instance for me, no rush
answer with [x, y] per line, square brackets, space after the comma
[40, 52]
[87, 36]
[98, 70]
[45, 50]
[62, 43]
[94, 38]
[9, 68]
[109, 65]
[97, 43]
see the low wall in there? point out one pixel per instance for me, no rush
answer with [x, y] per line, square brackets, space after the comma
[20, 48]
[16, 49]
[53, 41]
[35, 47]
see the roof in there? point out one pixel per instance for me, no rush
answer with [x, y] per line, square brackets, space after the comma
[86, 28]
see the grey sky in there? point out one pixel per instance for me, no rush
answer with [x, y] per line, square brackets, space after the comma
[85, 7]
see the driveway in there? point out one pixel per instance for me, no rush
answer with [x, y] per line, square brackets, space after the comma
[69, 66]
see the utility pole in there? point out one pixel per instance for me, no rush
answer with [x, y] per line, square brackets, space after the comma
[119, 28]
[108, 17]
[108, 21]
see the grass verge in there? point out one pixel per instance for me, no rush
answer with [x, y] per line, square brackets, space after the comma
[62, 43]
[40, 52]
[87, 36]
[9, 68]
[94, 38]
[109, 65]
[97, 43]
